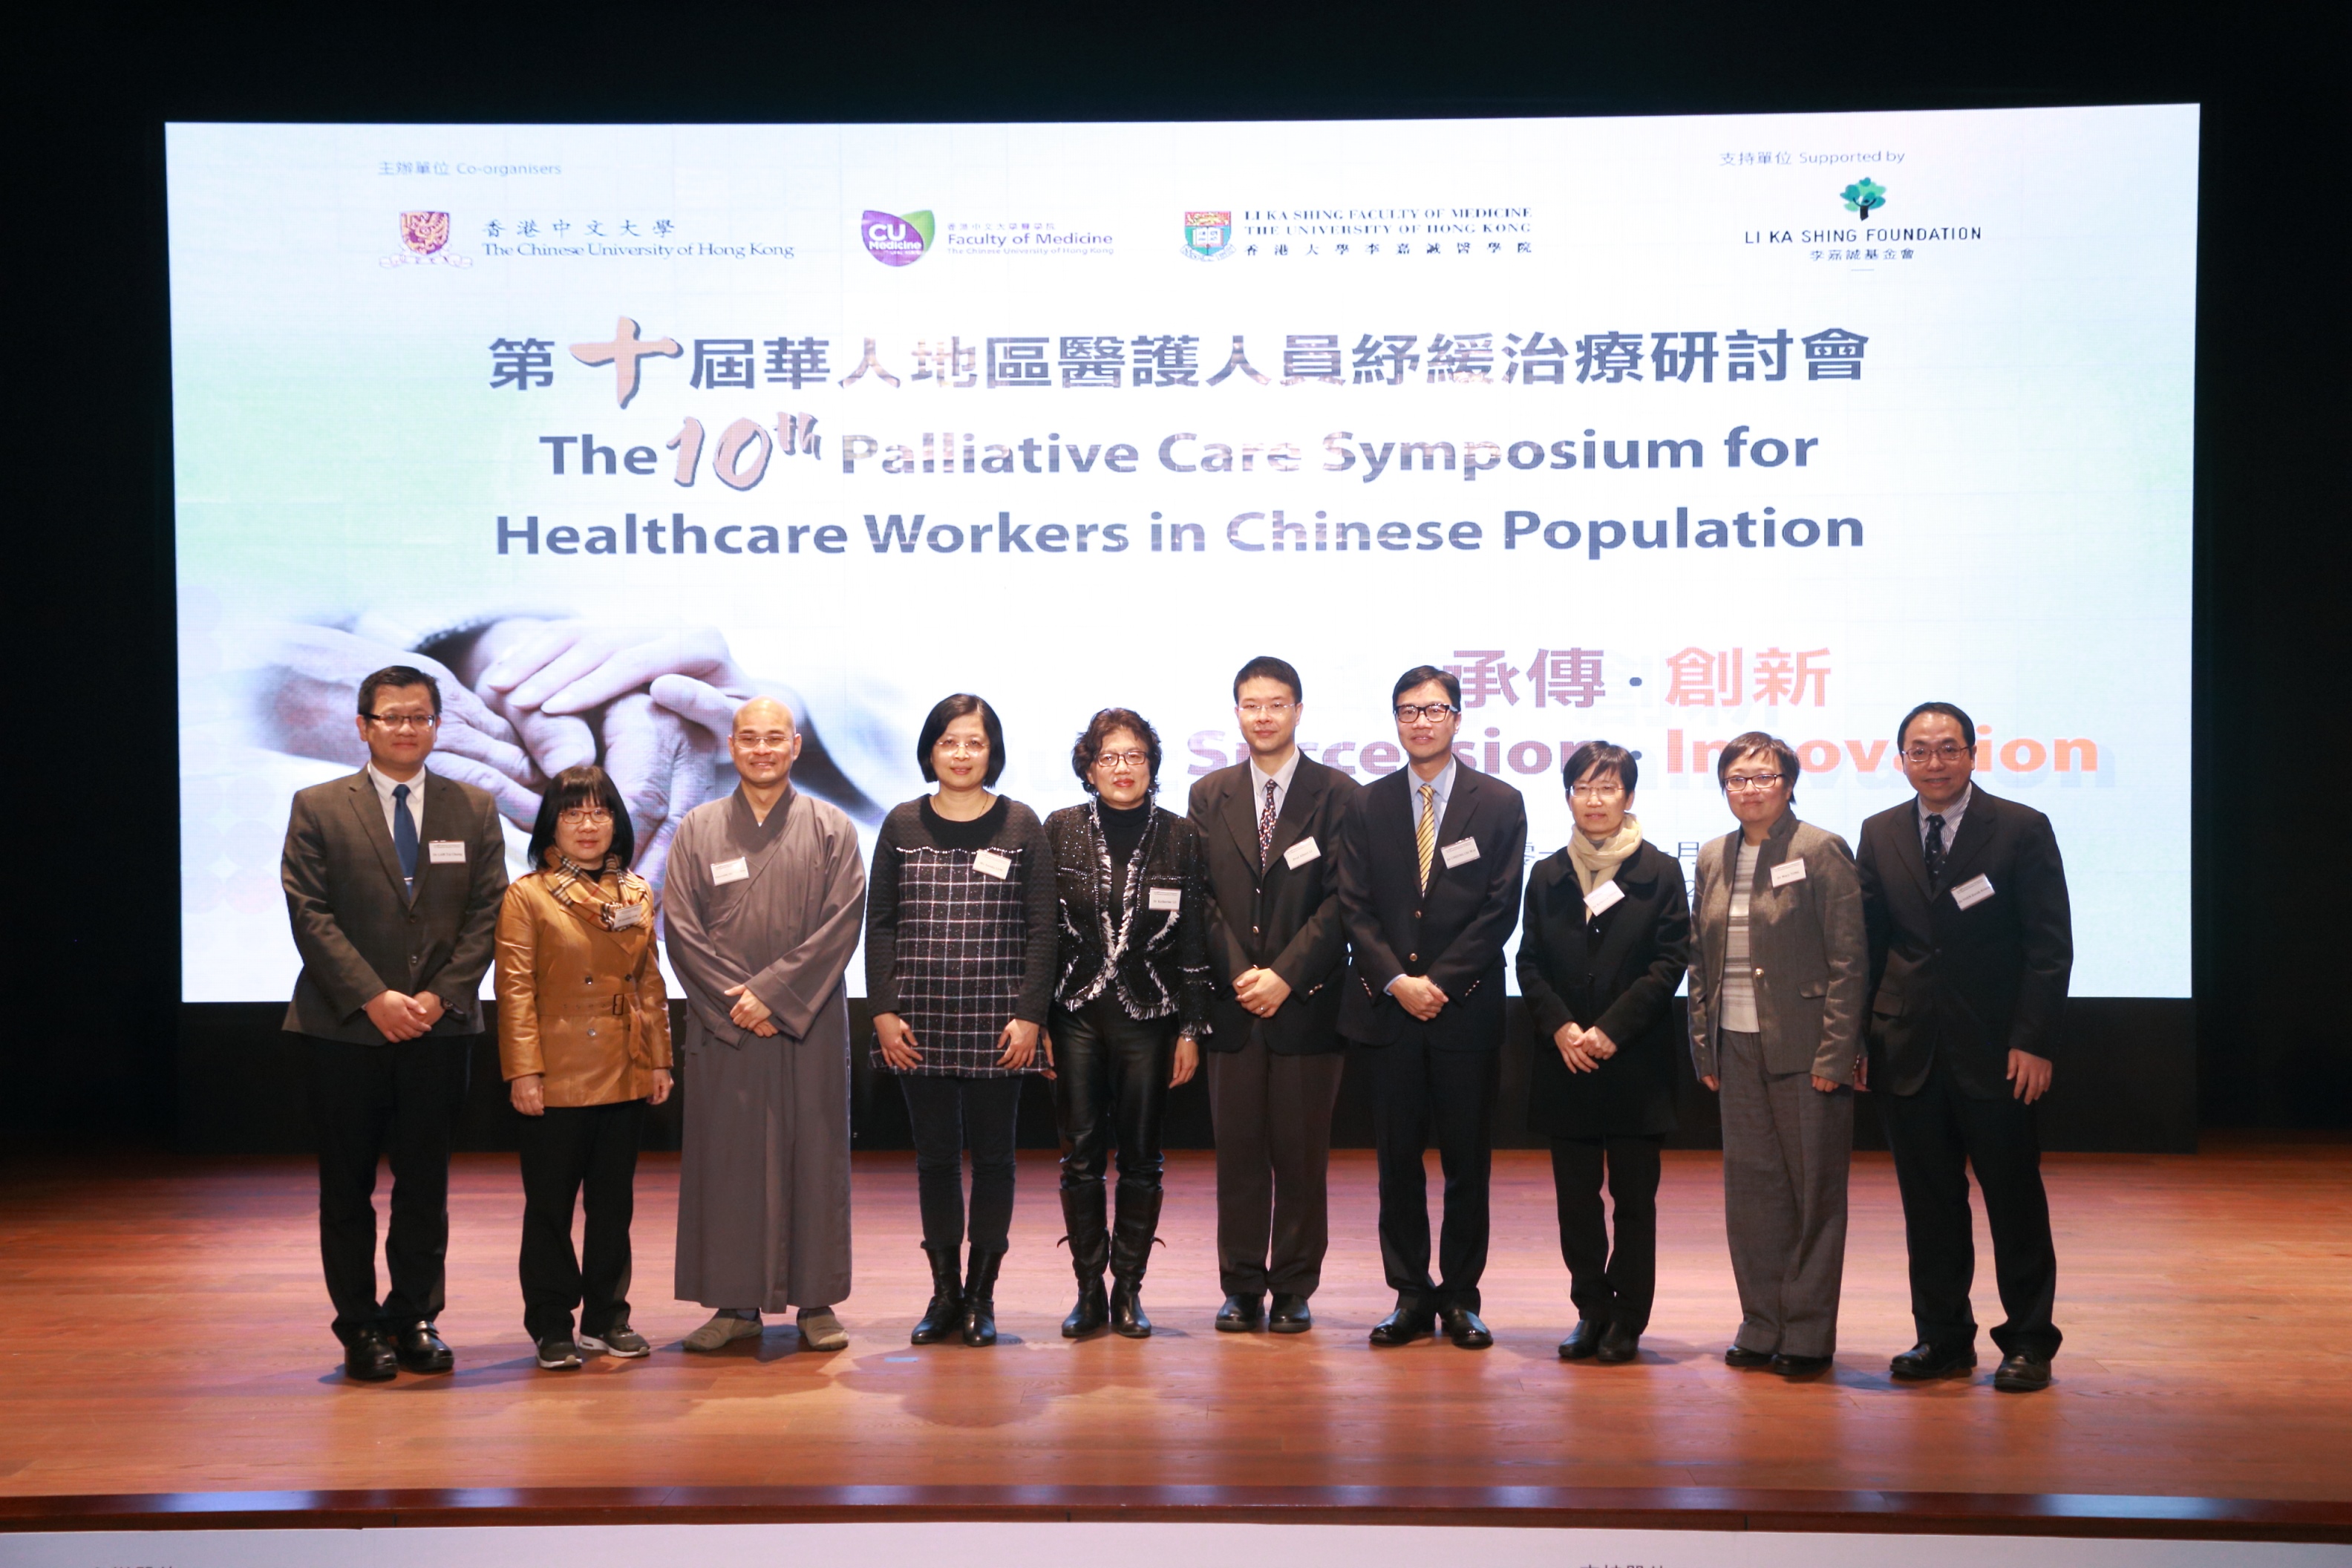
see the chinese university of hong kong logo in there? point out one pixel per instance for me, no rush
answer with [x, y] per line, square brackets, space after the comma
[1209, 236]
[1865, 196]
[896, 241]
[425, 235]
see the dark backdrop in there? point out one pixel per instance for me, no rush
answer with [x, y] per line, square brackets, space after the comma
[90, 1046]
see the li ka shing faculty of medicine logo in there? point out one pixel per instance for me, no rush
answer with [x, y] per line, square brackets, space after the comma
[424, 234]
[1208, 236]
[896, 241]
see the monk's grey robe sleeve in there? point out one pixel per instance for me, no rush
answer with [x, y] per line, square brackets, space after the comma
[686, 936]
[797, 985]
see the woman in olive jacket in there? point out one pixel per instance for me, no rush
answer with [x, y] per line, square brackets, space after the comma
[1602, 951]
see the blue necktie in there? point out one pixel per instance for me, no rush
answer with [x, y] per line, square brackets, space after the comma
[403, 835]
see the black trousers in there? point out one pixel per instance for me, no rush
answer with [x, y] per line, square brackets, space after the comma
[1272, 1113]
[367, 1102]
[587, 1152]
[1619, 1286]
[948, 1115]
[1936, 1135]
[1420, 1096]
[1110, 1089]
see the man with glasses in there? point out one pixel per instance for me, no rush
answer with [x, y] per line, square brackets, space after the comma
[1271, 831]
[392, 877]
[1971, 943]
[1432, 860]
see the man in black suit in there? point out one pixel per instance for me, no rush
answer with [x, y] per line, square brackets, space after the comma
[1271, 827]
[393, 877]
[1434, 858]
[1970, 946]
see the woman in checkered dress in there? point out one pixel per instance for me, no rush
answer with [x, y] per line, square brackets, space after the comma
[961, 918]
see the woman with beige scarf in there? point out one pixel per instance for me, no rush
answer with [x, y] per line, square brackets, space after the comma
[1601, 952]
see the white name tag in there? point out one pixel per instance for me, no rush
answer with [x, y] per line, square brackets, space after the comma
[1169, 898]
[452, 851]
[725, 872]
[1461, 852]
[1973, 892]
[1303, 852]
[627, 915]
[1787, 871]
[994, 863]
[1606, 896]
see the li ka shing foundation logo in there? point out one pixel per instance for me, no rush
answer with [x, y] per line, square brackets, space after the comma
[426, 234]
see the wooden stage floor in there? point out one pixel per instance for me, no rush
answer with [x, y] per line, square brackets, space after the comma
[163, 1329]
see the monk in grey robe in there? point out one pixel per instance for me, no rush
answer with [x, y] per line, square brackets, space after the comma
[765, 903]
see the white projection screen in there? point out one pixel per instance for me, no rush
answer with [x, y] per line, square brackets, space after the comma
[1658, 429]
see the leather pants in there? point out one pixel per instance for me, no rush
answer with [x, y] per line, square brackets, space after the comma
[1110, 1089]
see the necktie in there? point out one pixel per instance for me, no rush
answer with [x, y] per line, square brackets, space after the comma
[403, 835]
[1424, 837]
[1265, 828]
[1935, 854]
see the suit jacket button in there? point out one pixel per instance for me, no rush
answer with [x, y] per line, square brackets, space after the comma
[1759, 975]
[1412, 958]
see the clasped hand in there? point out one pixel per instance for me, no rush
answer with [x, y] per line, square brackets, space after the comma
[1261, 991]
[1581, 1048]
[402, 1018]
[1419, 995]
[749, 1011]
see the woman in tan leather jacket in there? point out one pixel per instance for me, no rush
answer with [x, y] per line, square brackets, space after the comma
[584, 1043]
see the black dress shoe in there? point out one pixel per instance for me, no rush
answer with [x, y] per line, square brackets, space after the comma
[1402, 1327]
[1240, 1314]
[2022, 1374]
[1465, 1329]
[1745, 1360]
[369, 1358]
[421, 1350]
[1619, 1345]
[1800, 1365]
[1924, 1363]
[1289, 1315]
[1583, 1341]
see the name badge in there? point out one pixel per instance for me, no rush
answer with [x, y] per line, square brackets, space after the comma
[1973, 892]
[1606, 896]
[623, 917]
[1303, 852]
[1787, 871]
[1170, 899]
[1461, 852]
[994, 863]
[725, 872]
[452, 852]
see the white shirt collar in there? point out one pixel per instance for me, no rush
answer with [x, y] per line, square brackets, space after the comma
[1259, 778]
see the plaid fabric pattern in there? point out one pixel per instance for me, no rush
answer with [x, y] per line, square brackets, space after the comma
[963, 941]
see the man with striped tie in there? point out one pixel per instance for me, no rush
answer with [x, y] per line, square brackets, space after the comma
[1270, 832]
[1434, 856]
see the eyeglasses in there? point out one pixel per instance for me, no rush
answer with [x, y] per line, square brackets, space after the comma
[585, 817]
[1123, 759]
[1609, 791]
[1740, 783]
[403, 720]
[1438, 713]
[1950, 752]
[775, 740]
[961, 748]
[1266, 710]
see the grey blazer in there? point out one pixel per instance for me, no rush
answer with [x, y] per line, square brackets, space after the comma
[358, 931]
[1807, 941]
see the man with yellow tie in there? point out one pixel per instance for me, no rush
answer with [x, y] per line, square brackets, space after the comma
[1432, 862]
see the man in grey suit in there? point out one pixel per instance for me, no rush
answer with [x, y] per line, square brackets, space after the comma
[393, 877]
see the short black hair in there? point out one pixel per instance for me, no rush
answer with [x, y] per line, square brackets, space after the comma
[587, 785]
[1753, 742]
[946, 712]
[1099, 730]
[396, 675]
[1607, 758]
[1422, 675]
[1265, 666]
[1950, 711]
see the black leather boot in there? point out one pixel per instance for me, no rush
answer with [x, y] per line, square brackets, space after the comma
[939, 1319]
[1130, 1251]
[1089, 1239]
[979, 1298]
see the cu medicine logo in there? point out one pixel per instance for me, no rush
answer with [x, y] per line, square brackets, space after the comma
[424, 234]
[896, 241]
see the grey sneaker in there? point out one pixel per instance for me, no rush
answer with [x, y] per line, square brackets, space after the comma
[558, 1353]
[724, 1330]
[620, 1339]
[821, 1331]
